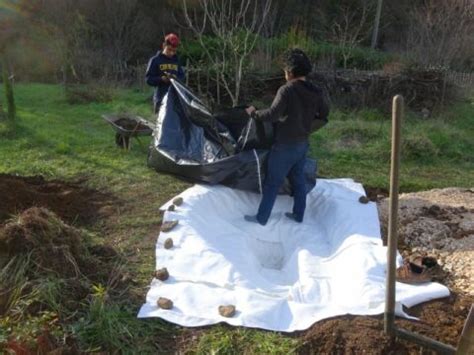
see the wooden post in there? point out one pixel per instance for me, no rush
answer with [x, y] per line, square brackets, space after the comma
[466, 342]
[397, 116]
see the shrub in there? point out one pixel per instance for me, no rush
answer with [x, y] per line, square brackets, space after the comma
[418, 146]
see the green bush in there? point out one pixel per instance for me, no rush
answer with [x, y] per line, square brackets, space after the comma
[319, 51]
[418, 146]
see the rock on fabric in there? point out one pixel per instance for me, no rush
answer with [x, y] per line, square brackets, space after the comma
[284, 276]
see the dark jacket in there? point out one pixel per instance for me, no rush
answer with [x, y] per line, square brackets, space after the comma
[298, 109]
[158, 66]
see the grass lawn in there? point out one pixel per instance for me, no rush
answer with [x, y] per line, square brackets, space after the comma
[62, 141]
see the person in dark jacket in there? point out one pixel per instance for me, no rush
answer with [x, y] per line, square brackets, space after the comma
[162, 67]
[298, 108]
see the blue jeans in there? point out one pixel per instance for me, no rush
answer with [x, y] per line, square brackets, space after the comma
[284, 160]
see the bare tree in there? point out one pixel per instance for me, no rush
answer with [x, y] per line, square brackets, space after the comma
[9, 33]
[440, 31]
[375, 33]
[121, 30]
[351, 26]
[236, 26]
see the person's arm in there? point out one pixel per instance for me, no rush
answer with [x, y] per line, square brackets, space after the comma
[277, 109]
[154, 76]
[321, 118]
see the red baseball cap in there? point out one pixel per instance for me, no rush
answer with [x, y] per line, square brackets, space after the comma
[172, 40]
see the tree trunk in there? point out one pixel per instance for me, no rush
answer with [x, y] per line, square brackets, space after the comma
[375, 33]
[10, 99]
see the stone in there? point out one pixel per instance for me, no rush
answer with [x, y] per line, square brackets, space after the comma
[178, 201]
[171, 208]
[168, 243]
[164, 303]
[363, 199]
[162, 274]
[227, 311]
[168, 225]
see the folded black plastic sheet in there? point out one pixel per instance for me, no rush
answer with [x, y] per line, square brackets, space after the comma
[226, 148]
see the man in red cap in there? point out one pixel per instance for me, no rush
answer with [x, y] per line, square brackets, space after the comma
[162, 67]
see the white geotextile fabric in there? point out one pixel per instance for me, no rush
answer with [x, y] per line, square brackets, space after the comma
[284, 276]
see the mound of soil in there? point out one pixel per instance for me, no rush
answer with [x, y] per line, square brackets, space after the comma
[39, 247]
[376, 193]
[441, 320]
[438, 223]
[54, 245]
[72, 202]
[130, 124]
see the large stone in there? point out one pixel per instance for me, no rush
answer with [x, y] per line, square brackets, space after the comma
[178, 201]
[168, 225]
[227, 311]
[164, 303]
[162, 274]
[168, 243]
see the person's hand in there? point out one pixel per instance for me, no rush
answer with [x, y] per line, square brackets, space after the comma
[165, 79]
[250, 109]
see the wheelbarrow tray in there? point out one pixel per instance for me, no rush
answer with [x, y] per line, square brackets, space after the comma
[126, 132]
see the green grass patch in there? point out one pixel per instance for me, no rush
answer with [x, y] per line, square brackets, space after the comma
[435, 152]
[225, 340]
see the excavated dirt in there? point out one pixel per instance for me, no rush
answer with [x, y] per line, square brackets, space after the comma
[438, 223]
[36, 227]
[130, 124]
[54, 245]
[71, 201]
[441, 320]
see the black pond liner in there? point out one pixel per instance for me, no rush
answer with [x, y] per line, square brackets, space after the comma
[226, 147]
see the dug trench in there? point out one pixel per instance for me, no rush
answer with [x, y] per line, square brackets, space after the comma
[42, 227]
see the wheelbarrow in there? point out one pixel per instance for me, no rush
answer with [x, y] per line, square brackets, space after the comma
[127, 126]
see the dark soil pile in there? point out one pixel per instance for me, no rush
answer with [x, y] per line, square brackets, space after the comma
[130, 124]
[72, 202]
[47, 250]
[375, 193]
[441, 320]
[54, 246]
